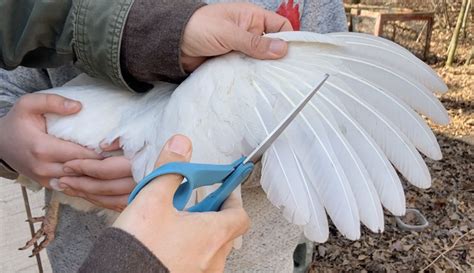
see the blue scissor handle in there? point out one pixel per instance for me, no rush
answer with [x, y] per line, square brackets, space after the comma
[198, 175]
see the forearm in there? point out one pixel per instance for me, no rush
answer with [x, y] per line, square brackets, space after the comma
[118, 251]
[35, 33]
[126, 42]
[47, 34]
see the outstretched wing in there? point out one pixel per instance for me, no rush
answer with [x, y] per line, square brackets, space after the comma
[338, 153]
[336, 157]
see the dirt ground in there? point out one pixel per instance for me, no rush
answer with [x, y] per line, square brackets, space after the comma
[447, 245]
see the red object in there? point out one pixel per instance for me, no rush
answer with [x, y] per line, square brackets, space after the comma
[290, 11]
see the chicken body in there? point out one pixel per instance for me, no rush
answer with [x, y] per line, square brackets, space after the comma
[339, 156]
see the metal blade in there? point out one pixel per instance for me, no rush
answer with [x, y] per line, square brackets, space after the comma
[258, 152]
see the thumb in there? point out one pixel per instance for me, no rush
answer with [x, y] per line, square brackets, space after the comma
[49, 103]
[257, 46]
[177, 149]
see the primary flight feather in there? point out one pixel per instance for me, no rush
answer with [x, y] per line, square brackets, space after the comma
[338, 156]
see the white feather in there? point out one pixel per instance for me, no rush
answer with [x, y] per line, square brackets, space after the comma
[408, 122]
[386, 181]
[282, 180]
[379, 46]
[412, 92]
[328, 179]
[370, 210]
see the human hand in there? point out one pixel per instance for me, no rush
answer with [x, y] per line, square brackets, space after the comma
[217, 29]
[103, 182]
[183, 241]
[25, 145]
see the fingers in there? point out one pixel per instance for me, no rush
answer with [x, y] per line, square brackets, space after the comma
[47, 170]
[48, 103]
[92, 186]
[117, 203]
[68, 150]
[191, 63]
[275, 22]
[177, 149]
[255, 45]
[109, 168]
[106, 147]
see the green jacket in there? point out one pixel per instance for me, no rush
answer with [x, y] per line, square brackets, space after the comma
[127, 42]
[89, 33]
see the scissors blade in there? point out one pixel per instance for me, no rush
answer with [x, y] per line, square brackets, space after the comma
[256, 154]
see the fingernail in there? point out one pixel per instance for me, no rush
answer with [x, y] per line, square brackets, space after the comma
[70, 104]
[277, 47]
[68, 170]
[179, 145]
[56, 185]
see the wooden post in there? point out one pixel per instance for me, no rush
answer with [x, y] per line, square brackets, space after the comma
[464, 20]
[378, 30]
[454, 40]
[429, 26]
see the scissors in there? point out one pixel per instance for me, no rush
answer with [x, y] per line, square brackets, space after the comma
[230, 176]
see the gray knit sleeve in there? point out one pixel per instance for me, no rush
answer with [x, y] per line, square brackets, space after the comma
[323, 16]
[15, 83]
[117, 251]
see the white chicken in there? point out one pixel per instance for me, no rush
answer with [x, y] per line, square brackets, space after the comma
[337, 157]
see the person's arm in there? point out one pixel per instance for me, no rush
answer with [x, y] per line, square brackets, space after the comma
[29, 150]
[89, 33]
[152, 236]
[132, 42]
[118, 251]
[104, 182]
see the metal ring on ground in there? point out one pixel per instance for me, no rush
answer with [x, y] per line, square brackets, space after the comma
[420, 218]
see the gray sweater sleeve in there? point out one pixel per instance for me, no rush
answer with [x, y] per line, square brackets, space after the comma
[117, 251]
[22, 80]
[323, 16]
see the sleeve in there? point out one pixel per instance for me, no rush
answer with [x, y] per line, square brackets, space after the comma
[18, 82]
[117, 251]
[324, 16]
[89, 33]
[152, 53]
[6, 171]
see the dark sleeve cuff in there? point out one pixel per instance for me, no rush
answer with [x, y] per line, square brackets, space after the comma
[6, 171]
[151, 41]
[118, 251]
